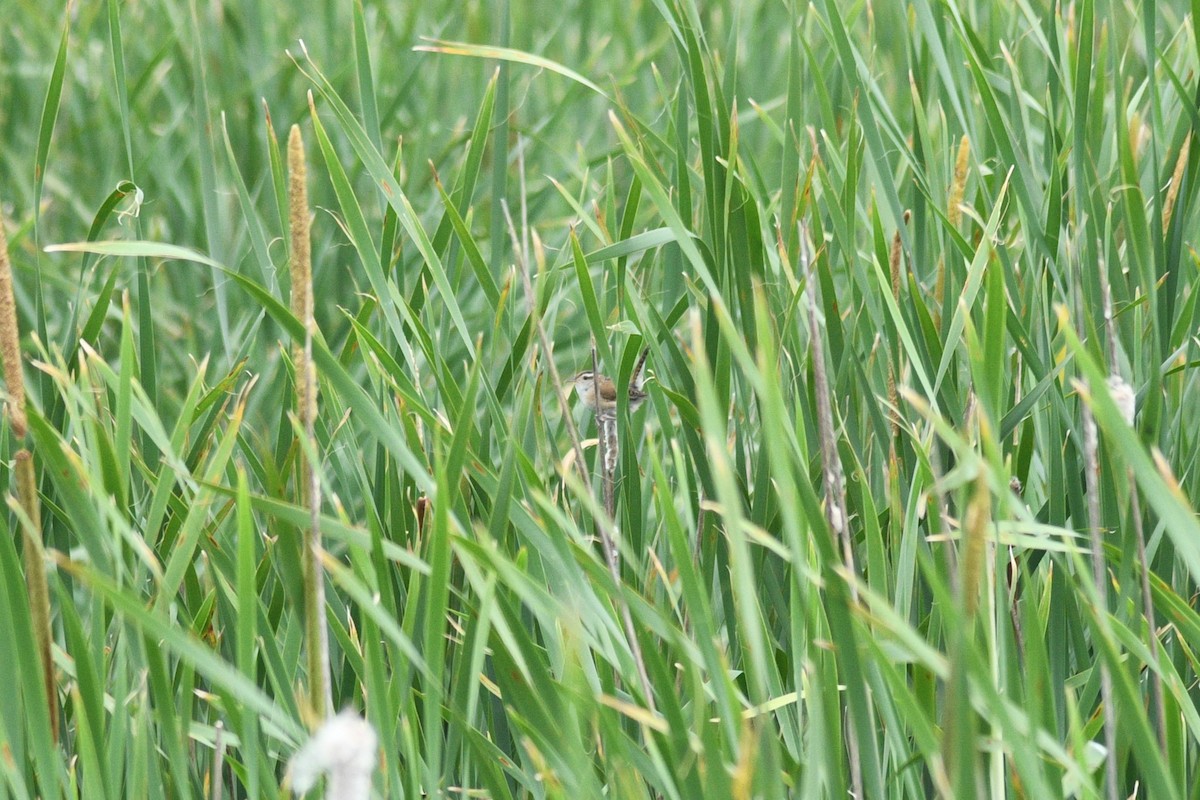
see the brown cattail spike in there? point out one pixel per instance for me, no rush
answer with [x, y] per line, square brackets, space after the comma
[10, 341]
[1176, 180]
[954, 202]
[317, 634]
[959, 186]
[298, 222]
[975, 533]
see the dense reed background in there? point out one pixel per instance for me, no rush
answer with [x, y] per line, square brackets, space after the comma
[870, 539]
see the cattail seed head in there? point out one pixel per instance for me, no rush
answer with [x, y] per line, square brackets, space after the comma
[1176, 179]
[959, 186]
[10, 341]
[298, 222]
[975, 534]
[301, 267]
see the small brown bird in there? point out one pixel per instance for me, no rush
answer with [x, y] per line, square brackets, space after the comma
[586, 384]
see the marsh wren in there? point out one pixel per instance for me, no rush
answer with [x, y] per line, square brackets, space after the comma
[587, 382]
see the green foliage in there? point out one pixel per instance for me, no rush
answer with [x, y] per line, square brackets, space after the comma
[638, 172]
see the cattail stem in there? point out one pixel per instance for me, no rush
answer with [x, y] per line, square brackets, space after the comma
[835, 493]
[1156, 689]
[216, 782]
[606, 432]
[1100, 576]
[307, 482]
[835, 483]
[611, 556]
[35, 578]
[1127, 402]
[27, 491]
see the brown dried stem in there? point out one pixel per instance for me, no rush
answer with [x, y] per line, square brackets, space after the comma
[835, 496]
[611, 555]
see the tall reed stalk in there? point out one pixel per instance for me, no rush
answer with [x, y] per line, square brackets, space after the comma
[307, 481]
[27, 491]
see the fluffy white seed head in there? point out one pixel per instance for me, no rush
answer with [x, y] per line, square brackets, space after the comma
[345, 748]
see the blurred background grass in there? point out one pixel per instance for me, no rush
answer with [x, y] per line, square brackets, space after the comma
[648, 165]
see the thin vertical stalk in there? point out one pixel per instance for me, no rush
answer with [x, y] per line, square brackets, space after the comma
[1126, 400]
[27, 492]
[834, 477]
[611, 555]
[307, 482]
[835, 497]
[1091, 469]
[979, 567]
[1100, 576]
[35, 576]
[1156, 689]
[216, 784]
[606, 432]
